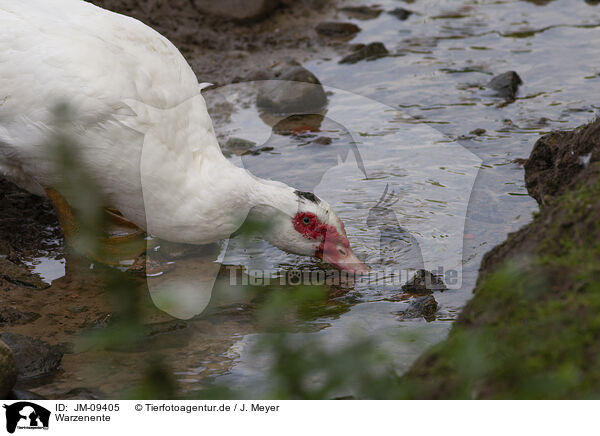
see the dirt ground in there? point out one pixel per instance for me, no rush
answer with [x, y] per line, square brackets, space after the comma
[221, 51]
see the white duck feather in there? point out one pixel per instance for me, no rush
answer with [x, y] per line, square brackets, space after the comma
[142, 126]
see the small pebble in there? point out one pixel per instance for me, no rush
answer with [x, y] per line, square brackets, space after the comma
[505, 84]
[372, 51]
[323, 140]
[401, 13]
[337, 30]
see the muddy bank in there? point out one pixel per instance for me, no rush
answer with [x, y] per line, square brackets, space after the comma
[531, 330]
[223, 49]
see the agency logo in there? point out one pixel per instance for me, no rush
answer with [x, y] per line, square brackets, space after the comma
[26, 415]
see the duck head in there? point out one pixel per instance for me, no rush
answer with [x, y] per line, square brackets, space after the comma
[302, 223]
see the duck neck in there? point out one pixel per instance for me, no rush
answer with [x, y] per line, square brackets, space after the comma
[268, 199]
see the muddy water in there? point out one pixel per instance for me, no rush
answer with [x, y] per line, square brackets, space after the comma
[400, 125]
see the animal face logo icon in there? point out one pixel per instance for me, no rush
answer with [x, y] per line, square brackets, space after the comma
[26, 415]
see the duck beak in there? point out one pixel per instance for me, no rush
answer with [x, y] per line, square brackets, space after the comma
[343, 258]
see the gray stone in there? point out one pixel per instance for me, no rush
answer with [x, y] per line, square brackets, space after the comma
[362, 12]
[425, 307]
[337, 30]
[239, 10]
[34, 358]
[372, 51]
[401, 13]
[423, 282]
[295, 91]
[257, 151]
[322, 140]
[505, 84]
[8, 370]
[234, 144]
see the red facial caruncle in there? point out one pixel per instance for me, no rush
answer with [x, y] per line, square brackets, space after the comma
[334, 247]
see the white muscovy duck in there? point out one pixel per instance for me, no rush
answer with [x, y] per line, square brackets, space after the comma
[143, 132]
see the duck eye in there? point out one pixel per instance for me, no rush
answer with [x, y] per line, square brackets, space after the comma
[306, 220]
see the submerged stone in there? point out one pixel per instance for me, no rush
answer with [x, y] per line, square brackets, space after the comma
[477, 132]
[369, 52]
[423, 283]
[362, 12]
[424, 306]
[337, 30]
[295, 90]
[237, 145]
[401, 13]
[505, 84]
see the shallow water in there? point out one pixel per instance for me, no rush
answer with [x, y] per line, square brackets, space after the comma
[446, 52]
[400, 125]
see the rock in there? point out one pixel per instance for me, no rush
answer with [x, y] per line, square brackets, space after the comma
[505, 84]
[372, 51]
[257, 151]
[362, 12]
[12, 316]
[296, 90]
[238, 10]
[20, 276]
[424, 306]
[238, 145]
[556, 160]
[401, 13]
[299, 125]
[34, 358]
[337, 30]
[322, 140]
[423, 283]
[257, 75]
[477, 132]
[8, 370]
